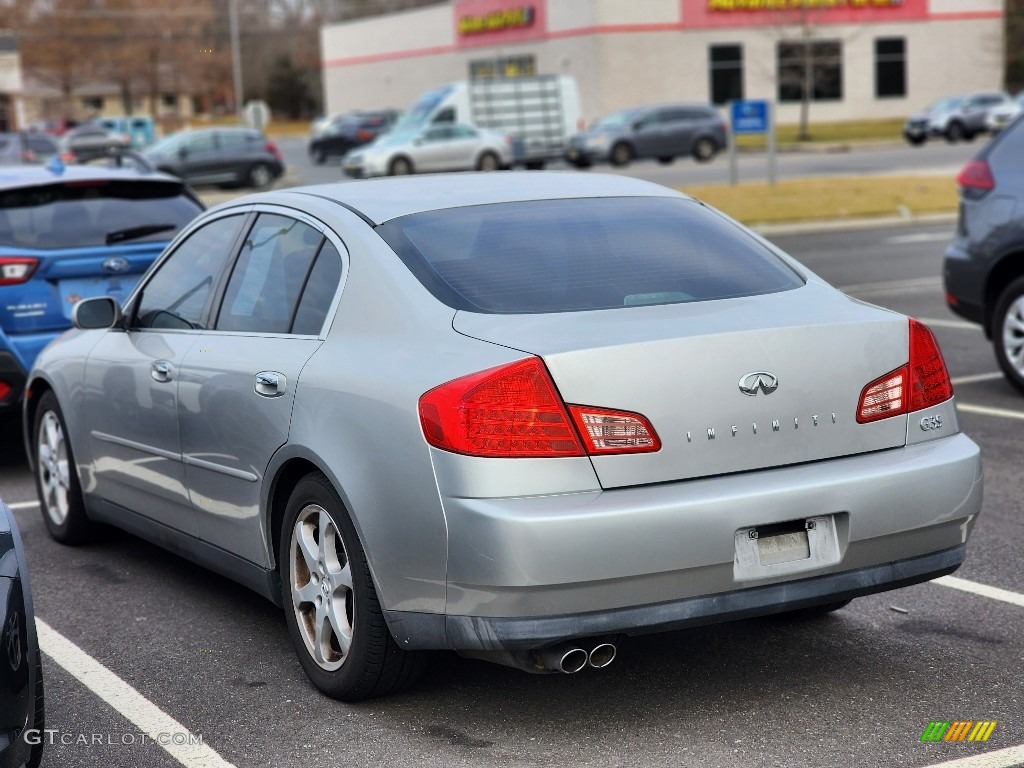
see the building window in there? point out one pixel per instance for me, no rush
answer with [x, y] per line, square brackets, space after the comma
[93, 102]
[169, 100]
[890, 67]
[506, 66]
[819, 63]
[725, 64]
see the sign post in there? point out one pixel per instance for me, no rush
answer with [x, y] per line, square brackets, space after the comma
[751, 117]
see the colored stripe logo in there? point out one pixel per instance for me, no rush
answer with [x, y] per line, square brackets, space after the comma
[958, 730]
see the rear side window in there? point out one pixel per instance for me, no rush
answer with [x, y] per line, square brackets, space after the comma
[319, 292]
[268, 277]
[1006, 151]
[583, 254]
[83, 213]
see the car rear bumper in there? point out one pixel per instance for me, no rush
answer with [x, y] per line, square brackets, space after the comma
[12, 382]
[964, 281]
[533, 571]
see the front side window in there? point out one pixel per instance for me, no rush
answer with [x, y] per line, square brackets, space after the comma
[272, 269]
[890, 67]
[814, 68]
[583, 254]
[175, 296]
[725, 65]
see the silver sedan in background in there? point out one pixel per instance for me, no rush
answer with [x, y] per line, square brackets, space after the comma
[438, 147]
[518, 416]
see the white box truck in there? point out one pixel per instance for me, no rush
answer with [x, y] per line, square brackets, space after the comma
[539, 112]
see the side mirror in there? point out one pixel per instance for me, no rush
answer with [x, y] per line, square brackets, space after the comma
[101, 312]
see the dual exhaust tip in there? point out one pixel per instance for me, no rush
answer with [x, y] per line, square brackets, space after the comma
[571, 659]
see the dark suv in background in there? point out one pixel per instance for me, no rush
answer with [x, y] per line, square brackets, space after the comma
[20, 147]
[349, 131]
[664, 131]
[984, 265]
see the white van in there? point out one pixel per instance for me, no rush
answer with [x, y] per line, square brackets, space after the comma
[539, 112]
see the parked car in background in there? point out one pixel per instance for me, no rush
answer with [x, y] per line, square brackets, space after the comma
[85, 142]
[664, 131]
[224, 156]
[348, 132]
[955, 118]
[512, 415]
[437, 147]
[70, 234]
[26, 147]
[984, 265]
[1001, 116]
[22, 709]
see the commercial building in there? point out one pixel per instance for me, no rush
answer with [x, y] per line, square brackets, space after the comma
[859, 59]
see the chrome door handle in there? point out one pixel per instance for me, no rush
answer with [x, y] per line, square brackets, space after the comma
[160, 371]
[270, 384]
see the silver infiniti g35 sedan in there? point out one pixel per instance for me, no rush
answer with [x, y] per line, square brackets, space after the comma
[519, 416]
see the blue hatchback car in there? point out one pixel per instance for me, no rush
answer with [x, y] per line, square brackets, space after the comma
[71, 233]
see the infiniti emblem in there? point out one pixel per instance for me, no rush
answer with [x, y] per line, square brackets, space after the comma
[751, 382]
[115, 265]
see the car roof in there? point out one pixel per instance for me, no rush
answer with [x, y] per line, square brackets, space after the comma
[380, 200]
[41, 175]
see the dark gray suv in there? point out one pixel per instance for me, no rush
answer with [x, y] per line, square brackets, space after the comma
[984, 265]
[228, 157]
[664, 131]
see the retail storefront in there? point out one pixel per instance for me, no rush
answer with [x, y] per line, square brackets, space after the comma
[859, 59]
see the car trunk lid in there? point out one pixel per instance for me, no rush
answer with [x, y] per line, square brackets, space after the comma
[803, 355]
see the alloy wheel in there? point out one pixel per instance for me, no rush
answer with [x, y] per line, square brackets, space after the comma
[321, 586]
[53, 468]
[1013, 335]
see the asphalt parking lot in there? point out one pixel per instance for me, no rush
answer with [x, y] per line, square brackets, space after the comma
[181, 648]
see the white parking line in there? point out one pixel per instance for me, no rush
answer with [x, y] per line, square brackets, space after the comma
[897, 286]
[1001, 413]
[140, 711]
[993, 593]
[1011, 757]
[943, 323]
[976, 378]
[23, 504]
[918, 237]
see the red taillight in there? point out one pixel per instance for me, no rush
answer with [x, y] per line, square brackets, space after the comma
[606, 432]
[67, 157]
[364, 135]
[514, 411]
[271, 147]
[921, 383]
[509, 411]
[929, 379]
[5, 389]
[976, 176]
[16, 269]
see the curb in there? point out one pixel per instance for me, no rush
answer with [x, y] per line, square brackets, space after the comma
[838, 225]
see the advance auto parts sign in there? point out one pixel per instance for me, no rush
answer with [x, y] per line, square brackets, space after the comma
[498, 21]
[787, 5]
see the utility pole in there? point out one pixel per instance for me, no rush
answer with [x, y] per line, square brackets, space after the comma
[236, 59]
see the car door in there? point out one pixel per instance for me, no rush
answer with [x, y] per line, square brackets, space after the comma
[238, 382]
[197, 158]
[647, 134]
[132, 379]
[432, 150]
[679, 128]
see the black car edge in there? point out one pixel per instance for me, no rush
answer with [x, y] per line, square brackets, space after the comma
[349, 131]
[22, 712]
[983, 269]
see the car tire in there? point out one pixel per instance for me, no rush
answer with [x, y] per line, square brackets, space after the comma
[1008, 333]
[534, 165]
[35, 755]
[260, 175]
[333, 614]
[621, 154]
[488, 161]
[400, 166]
[916, 141]
[60, 496]
[954, 132]
[704, 149]
[666, 160]
[318, 156]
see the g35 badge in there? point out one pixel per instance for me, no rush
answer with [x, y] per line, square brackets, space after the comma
[931, 422]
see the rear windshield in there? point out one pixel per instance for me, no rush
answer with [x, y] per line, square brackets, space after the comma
[95, 212]
[582, 254]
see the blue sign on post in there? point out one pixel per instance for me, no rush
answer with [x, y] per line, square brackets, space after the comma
[749, 116]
